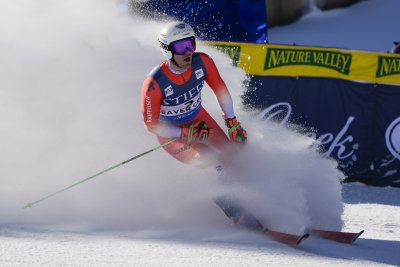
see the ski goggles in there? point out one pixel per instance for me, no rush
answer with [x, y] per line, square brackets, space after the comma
[180, 47]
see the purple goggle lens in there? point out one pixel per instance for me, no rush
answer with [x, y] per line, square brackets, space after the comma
[180, 47]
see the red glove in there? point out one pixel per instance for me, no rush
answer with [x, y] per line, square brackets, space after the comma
[195, 132]
[236, 133]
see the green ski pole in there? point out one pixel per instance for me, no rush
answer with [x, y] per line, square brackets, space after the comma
[30, 205]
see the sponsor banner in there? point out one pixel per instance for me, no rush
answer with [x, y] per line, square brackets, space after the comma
[283, 60]
[348, 101]
[358, 124]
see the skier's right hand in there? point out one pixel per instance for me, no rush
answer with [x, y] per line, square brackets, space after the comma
[236, 132]
[196, 132]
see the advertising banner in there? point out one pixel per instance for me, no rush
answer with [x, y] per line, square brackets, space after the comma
[348, 101]
[280, 60]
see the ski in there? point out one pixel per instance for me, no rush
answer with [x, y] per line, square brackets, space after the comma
[337, 236]
[247, 220]
[281, 237]
[244, 219]
[285, 238]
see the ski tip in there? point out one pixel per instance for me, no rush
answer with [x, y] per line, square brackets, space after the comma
[337, 236]
[357, 236]
[285, 238]
[303, 237]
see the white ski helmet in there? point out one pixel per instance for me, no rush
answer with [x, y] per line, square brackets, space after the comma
[173, 32]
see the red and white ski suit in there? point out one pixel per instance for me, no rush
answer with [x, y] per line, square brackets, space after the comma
[171, 101]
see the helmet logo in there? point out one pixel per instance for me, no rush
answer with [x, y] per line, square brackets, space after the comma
[181, 26]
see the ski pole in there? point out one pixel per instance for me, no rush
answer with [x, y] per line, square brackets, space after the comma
[29, 205]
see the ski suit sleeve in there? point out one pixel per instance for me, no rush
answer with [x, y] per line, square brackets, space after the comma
[151, 106]
[214, 80]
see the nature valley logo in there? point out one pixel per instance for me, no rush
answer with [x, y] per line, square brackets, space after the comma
[388, 66]
[278, 57]
[232, 51]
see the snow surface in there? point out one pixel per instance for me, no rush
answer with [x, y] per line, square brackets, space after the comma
[71, 77]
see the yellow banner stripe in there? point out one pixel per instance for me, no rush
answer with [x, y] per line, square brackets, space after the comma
[284, 60]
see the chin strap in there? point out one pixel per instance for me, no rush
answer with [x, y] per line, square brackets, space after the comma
[174, 61]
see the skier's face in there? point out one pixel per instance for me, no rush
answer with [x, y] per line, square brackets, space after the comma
[184, 61]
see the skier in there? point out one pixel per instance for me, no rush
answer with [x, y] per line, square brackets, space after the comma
[172, 107]
[171, 99]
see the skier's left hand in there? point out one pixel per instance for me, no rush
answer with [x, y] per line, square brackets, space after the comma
[236, 132]
[197, 132]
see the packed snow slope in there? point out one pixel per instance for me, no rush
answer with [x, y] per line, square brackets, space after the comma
[70, 99]
[374, 209]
